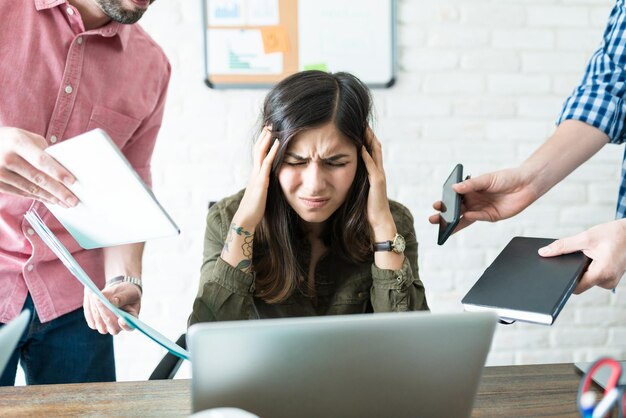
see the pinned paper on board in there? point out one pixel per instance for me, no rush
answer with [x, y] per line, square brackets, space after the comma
[275, 39]
[319, 67]
[243, 13]
[236, 51]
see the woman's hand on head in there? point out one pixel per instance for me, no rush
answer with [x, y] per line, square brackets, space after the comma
[252, 206]
[378, 212]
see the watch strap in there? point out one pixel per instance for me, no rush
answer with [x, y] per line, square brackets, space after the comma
[126, 279]
[382, 246]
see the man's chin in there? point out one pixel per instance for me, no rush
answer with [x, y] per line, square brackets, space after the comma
[124, 11]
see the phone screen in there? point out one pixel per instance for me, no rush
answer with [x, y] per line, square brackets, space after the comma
[451, 205]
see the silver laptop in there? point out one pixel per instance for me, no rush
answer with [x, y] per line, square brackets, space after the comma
[10, 335]
[412, 364]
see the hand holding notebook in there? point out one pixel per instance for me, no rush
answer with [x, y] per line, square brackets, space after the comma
[522, 285]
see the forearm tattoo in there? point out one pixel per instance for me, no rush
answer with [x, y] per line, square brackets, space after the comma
[244, 265]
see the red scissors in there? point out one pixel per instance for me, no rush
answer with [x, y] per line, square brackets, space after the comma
[613, 392]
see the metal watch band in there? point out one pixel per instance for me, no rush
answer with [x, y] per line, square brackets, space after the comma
[126, 279]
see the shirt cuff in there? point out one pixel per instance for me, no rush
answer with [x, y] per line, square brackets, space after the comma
[599, 109]
[233, 279]
[392, 279]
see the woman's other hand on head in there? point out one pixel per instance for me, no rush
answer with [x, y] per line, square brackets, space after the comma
[378, 212]
[252, 207]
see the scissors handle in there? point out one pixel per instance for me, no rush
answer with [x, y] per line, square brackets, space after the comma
[612, 383]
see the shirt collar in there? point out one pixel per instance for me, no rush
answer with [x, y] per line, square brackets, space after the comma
[115, 28]
[47, 4]
[109, 30]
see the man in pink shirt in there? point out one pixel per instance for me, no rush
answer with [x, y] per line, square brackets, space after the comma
[66, 67]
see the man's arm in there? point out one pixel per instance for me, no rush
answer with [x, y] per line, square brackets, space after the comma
[572, 144]
[121, 260]
[594, 113]
[505, 193]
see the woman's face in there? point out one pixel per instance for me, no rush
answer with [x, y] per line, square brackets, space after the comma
[317, 172]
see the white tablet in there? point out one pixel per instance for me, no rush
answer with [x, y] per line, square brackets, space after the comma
[116, 207]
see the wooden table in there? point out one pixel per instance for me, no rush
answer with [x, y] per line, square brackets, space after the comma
[509, 391]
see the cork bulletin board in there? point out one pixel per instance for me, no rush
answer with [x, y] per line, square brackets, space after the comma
[256, 43]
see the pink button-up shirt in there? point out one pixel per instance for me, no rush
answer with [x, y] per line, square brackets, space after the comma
[58, 80]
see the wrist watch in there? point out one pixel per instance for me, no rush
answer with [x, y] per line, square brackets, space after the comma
[126, 279]
[397, 245]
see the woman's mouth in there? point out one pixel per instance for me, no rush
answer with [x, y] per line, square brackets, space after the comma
[314, 203]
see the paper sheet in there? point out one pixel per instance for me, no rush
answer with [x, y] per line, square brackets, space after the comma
[115, 207]
[241, 51]
[64, 255]
[243, 12]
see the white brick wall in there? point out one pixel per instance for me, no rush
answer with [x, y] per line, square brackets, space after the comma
[480, 82]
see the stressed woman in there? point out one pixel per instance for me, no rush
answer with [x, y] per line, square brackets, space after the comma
[313, 233]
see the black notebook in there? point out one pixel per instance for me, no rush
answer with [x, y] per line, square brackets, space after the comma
[522, 285]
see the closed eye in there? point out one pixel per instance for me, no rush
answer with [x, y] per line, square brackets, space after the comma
[336, 164]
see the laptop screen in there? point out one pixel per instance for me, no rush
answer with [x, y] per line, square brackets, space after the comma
[393, 364]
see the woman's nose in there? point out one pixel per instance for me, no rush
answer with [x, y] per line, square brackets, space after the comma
[313, 178]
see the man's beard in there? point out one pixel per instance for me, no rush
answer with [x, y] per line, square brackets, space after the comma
[116, 11]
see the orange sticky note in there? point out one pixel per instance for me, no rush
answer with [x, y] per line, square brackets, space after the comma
[274, 39]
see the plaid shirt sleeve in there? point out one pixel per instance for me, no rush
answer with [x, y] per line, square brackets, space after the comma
[599, 99]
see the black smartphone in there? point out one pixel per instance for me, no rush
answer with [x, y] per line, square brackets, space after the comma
[451, 205]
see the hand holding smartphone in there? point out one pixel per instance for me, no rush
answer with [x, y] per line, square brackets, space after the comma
[450, 205]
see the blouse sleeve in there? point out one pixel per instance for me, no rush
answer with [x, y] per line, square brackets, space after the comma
[224, 293]
[400, 290]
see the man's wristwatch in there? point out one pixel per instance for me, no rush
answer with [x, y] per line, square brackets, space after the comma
[397, 245]
[126, 279]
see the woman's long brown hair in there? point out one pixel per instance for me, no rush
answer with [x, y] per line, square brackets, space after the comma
[302, 101]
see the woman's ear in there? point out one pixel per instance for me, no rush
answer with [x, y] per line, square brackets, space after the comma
[368, 138]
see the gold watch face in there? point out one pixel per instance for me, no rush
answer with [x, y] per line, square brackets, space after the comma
[398, 244]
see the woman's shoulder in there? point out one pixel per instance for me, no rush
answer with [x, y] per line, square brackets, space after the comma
[229, 203]
[225, 209]
[401, 215]
[399, 210]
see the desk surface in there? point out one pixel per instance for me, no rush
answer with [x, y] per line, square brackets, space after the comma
[507, 391]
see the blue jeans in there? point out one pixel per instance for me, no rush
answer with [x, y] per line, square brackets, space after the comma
[64, 350]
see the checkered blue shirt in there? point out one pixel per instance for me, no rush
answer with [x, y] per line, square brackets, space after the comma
[600, 99]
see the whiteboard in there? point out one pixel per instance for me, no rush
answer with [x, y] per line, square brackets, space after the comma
[256, 43]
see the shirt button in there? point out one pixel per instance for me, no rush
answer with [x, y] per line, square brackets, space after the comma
[30, 267]
[69, 11]
[79, 40]
[53, 139]
[68, 89]
[30, 231]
